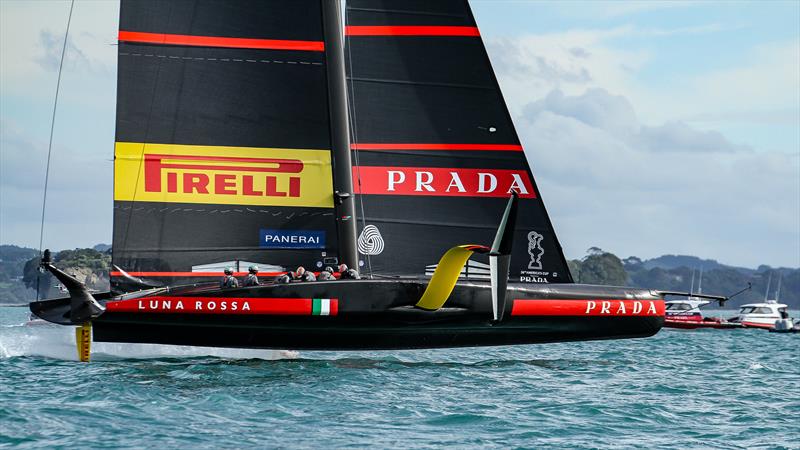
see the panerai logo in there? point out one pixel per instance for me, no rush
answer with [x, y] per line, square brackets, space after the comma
[535, 250]
[292, 238]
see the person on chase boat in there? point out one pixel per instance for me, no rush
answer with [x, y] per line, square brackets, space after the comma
[229, 281]
[252, 276]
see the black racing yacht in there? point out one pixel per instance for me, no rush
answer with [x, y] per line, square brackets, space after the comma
[272, 132]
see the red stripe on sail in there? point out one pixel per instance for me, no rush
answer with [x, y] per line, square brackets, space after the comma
[414, 30]
[461, 147]
[588, 307]
[218, 41]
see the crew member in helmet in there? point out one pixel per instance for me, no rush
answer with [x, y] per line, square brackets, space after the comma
[348, 274]
[285, 278]
[229, 281]
[252, 276]
[326, 274]
[302, 274]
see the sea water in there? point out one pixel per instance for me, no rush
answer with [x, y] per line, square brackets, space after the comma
[678, 389]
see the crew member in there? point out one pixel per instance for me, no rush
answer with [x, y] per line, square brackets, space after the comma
[252, 276]
[302, 274]
[326, 274]
[285, 278]
[348, 274]
[229, 281]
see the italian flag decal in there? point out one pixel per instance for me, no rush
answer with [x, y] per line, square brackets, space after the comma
[324, 307]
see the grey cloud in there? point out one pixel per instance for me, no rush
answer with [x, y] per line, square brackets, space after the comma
[603, 186]
[579, 52]
[614, 114]
[78, 200]
[50, 46]
[596, 108]
[508, 56]
[679, 137]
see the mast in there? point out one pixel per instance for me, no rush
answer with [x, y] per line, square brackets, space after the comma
[766, 291]
[340, 134]
[700, 283]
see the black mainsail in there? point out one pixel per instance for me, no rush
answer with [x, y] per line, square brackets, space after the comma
[435, 151]
[223, 149]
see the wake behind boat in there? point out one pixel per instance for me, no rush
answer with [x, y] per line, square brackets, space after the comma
[253, 131]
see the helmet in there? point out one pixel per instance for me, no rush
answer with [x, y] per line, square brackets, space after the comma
[342, 267]
[229, 271]
[252, 269]
[328, 269]
[300, 270]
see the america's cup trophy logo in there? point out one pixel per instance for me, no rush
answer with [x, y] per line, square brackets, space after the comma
[535, 250]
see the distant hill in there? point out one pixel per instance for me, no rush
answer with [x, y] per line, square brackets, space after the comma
[674, 273]
[12, 261]
[19, 277]
[675, 261]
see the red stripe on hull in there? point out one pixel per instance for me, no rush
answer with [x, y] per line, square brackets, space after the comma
[191, 274]
[587, 307]
[218, 41]
[758, 325]
[413, 30]
[461, 147]
[222, 305]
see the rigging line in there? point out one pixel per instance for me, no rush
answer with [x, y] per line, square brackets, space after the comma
[50, 144]
[351, 106]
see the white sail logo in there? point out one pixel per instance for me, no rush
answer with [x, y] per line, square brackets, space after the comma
[535, 250]
[370, 241]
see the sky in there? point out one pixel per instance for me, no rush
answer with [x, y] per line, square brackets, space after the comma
[652, 127]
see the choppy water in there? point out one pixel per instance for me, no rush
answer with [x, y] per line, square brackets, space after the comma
[679, 389]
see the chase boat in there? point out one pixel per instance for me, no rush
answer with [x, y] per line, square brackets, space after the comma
[762, 315]
[687, 314]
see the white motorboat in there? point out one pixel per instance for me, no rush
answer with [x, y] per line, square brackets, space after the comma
[762, 315]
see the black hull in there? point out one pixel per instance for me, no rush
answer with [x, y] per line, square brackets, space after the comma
[374, 314]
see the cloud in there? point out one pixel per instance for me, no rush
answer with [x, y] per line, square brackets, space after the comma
[615, 115]
[612, 182]
[51, 47]
[79, 192]
[759, 85]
